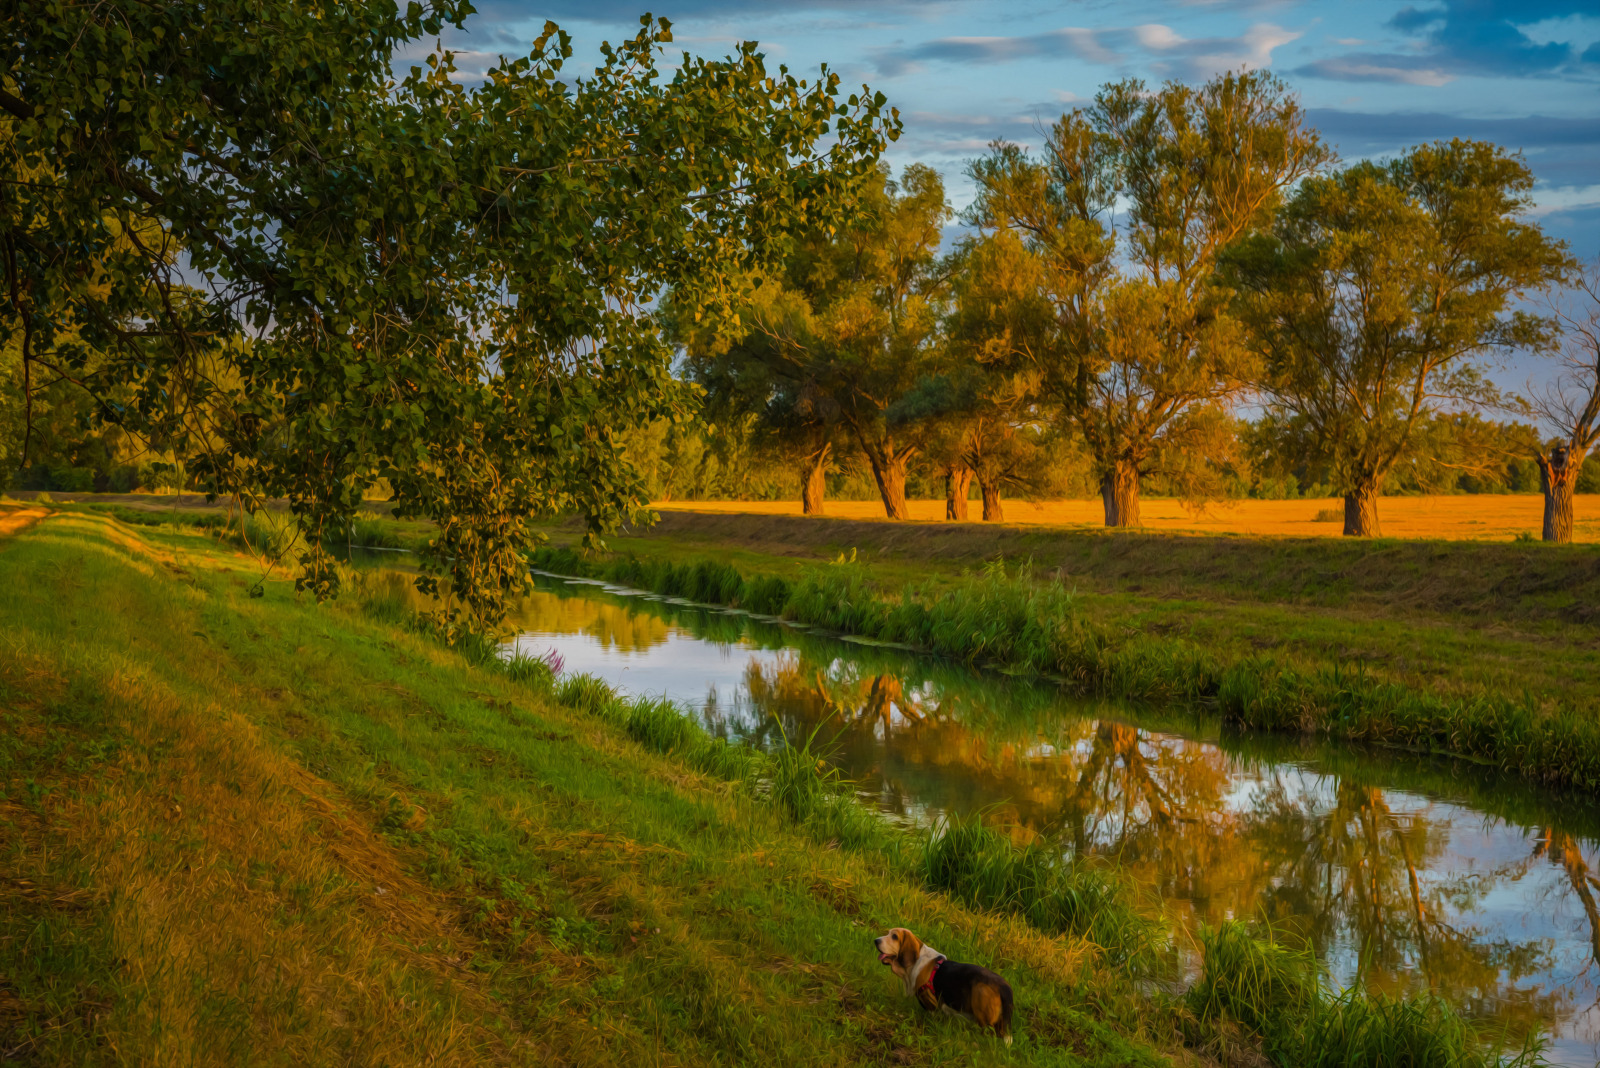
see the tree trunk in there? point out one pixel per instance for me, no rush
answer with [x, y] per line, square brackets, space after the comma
[813, 480]
[1558, 475]
[1361, 512]
[1119, 489]
[957, 481]
[993, 512]
[890, 473]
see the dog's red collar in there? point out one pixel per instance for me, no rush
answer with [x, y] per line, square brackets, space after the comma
[927, 984]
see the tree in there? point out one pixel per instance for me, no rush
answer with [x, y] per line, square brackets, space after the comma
[999, 331]
[751, 383]
[446, 286]
[1372, 295]
[850, 326]
[1571, 404]
[1145, 340]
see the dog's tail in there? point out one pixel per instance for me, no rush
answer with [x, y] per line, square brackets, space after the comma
[1004, 1026]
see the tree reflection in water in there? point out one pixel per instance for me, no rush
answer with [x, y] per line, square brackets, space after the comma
[1330, 859]
[1343, 849]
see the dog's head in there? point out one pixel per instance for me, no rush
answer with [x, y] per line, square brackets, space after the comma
[899, 949]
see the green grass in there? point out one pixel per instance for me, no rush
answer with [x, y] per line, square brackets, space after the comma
[257, 830]
[1273, 992]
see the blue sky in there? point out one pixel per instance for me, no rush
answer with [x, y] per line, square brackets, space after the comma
[1375, 77]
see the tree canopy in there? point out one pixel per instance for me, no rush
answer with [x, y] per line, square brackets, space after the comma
[1146, 350]
[1375, 289]
[246, 241]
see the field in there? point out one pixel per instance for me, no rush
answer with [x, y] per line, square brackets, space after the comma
[1482, 517]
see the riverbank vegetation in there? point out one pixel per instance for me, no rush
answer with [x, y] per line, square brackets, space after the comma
[1192, 647]
[244, 828]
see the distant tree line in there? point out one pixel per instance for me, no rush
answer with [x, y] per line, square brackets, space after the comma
[1166, 260]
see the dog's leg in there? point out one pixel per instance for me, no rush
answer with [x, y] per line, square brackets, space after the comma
[986, 1009]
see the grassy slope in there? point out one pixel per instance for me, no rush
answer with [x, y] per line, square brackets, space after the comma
[1451, 617]
[254, 830]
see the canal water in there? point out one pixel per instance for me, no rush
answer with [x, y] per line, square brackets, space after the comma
[1405, 873]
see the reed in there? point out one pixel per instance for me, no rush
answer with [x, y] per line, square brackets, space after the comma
[1258, 982]
[1275, 992]
[1357, 1030]
[979, 866]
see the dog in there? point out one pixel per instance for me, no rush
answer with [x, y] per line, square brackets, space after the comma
[936, 982]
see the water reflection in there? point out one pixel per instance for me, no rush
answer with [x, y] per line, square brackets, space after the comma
[1404, 874]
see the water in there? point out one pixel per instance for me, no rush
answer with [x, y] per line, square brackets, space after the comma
[1405, 873]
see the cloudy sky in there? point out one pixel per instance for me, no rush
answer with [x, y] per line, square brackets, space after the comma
[1376, 77]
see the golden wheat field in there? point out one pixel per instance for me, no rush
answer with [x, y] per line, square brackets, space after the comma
[1474, 518]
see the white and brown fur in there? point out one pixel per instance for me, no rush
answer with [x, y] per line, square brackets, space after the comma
[965, 990]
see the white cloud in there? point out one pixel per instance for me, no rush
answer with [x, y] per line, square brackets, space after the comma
[1355, 70]
[1196, 57]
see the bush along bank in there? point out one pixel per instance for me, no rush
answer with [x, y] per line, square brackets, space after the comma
[1252, 991]
[1005, 617]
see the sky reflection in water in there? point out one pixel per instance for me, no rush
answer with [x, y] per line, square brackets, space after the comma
[1405, 873]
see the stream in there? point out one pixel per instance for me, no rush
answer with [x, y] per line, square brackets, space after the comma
[1404, 872]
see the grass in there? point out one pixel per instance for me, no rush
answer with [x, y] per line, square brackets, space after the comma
[253, 830]
[256, 830]
[1476, 517]
[1016, 620]
[1273, 992]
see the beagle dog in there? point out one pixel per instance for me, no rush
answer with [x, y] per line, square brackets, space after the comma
[938, 983]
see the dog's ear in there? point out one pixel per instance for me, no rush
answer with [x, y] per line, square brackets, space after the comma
[910, 949]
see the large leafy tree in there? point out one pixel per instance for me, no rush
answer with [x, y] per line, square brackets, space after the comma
[855, 319]
[1146, 350]
[756, 391]
[998, 332]
[442, 286]
[1373, 295]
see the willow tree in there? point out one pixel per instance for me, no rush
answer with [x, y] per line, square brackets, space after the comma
[998, 331]
[1374, 294]
[1147, 348]
[446, 287]
[1570, 405]
[855, 315]
[753, 387]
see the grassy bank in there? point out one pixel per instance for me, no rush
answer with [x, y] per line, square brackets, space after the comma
[255, 830]
[251, 830]
[1018, 619]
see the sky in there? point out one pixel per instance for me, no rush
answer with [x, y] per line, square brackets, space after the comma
[1375, 77]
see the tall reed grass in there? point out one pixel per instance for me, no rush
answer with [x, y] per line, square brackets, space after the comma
[1276, 993]
[976, 864]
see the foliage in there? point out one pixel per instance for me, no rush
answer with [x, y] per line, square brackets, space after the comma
[847, 332]
[1145, 347]
[986, 399]
[442, 286]
[1371, 296]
